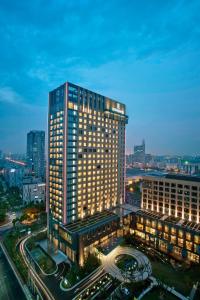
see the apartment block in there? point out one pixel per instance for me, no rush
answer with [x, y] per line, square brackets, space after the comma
[33, 191]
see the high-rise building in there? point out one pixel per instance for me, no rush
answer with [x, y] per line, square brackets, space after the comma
[36, 153]
[86, 158]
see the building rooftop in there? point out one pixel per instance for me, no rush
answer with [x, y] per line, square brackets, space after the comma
[146, 213]
[171, 219]
[183, 177]
[32, 180]
[191, 225]
[174, 220]
[176, 177]
[91, 222]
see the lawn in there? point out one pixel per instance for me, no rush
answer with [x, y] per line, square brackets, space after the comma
[181, 280]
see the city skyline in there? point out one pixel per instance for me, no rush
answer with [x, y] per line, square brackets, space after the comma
[100, 150]
[151, 64]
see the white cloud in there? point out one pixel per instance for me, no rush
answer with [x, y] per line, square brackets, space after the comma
[10, 96]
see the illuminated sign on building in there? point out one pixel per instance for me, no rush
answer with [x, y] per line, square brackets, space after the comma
[119, 111]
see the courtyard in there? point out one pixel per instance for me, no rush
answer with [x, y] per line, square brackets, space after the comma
[164, 271]
[139, 267]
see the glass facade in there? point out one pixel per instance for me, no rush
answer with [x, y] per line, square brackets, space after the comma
[168, 237]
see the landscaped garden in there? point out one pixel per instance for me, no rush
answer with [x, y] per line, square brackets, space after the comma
[159, 294]
[101, 289]
[41, 258]
[44, 261]
[136, 288]
[181, 280]
[165, 272]
[126, 262]
[33, 217]
[77, 273]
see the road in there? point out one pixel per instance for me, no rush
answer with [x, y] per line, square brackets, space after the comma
[33, 273]
[49, 286]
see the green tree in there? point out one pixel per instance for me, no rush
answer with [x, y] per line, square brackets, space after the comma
[2, 215]
[91, 263]
[14, 221]
[23, 217]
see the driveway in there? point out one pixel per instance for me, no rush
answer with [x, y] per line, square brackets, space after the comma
[142, 272]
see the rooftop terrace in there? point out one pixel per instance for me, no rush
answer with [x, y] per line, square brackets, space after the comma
[147, 213]
[170, 219]
[191, 225]
[91, 222]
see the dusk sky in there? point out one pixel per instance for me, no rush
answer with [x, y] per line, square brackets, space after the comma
[143, 53]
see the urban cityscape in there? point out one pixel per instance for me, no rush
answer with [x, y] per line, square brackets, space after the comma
[100, 173]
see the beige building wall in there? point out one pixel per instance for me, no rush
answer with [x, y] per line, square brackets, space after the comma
[178, 198]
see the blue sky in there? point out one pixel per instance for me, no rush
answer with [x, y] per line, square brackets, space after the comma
[143, 53]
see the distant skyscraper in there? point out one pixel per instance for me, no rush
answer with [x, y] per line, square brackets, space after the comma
[36, 152]
[139, 153]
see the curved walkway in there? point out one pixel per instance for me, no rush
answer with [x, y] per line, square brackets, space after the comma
[39, 283]
[142, 272]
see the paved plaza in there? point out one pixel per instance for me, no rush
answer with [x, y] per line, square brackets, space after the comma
[142, 272]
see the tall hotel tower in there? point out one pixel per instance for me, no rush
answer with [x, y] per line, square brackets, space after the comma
[86, 160]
